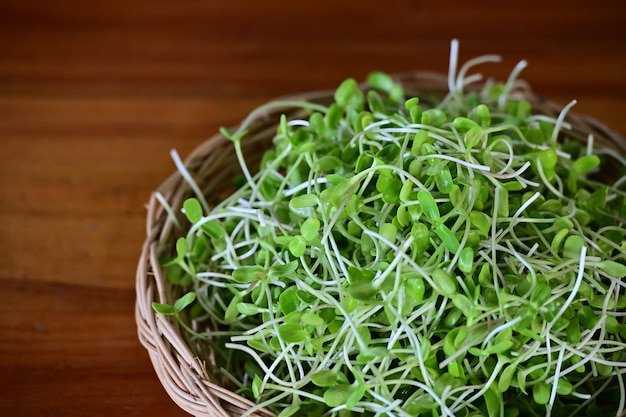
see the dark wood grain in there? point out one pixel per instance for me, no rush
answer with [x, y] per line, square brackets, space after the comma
[71, 350]
[93, 97]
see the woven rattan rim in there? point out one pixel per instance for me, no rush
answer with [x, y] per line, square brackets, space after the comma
[177, 363]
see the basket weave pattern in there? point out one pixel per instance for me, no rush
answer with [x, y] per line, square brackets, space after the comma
[184, 367]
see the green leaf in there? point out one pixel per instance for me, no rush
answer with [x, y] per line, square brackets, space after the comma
[281, 271]
[328, 163]
[573, 246]
[445, 283]
[214, 230]
[345, 91]
[361, 122]
[380, 80]
[184, 301]
[444, 181]
[288, 300]
[419, 140]
[463, 124]
[333, 116]
[177, 275]
[506, 377]
[181, 248]
[500, 347]
[231, 310]
[200, 247]
[355, 396]
[612, 268]
[585, 164]
[193, 210]
[365, 335]
[415, 111]
[328, 314]
[389, 231]
[573, 331]
[165, 309]
[434, 117]
[340, 192]
[324, 378]
[421, 235]
[483, 115]
[564, 387]
[256, 386]
[295, 317]
[297, 246]
[303, 201]
[391, 193]
[612, 325]
[493, 400]
[291, 410]
[448, 238]
[448, 343]
[247, 274]
[312, 319]
[363, 162]
[548, 158]
[473, 137]
[463, 303]
[338, 394]
[541, 393]
[540, 295]
[415, 288]
[377, 352]
[231, 135]
[362, 290]
[406, 191]
[310, 228]
[292, 333]
[258, 345]
[247, 309]
[452, 318]
[503, 202]
[558, 240]
[466, 260]
[427, 201]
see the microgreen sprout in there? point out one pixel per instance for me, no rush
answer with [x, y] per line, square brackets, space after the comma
[397, 258]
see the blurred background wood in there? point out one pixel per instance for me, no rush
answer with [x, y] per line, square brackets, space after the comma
[93, 96]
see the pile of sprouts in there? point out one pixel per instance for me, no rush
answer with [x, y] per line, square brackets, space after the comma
[393, 257]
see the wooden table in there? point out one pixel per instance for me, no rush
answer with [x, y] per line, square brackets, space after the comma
[93, 97]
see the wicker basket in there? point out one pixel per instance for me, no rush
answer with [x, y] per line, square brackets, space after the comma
[179, 363]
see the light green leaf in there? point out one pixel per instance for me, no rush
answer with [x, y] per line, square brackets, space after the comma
[541, 393]
[282, 270]
[585, 164]
[181, 248]
[184, 301]
[164, 309]
[428, 204]
[448, 238]
[312, 319]
[338, 394]
[310, 228]
[297, 246]
[292, 410]
[303, 201]
[288, 300]
[256, 386]
[324, 378]
[247, 274]
[292, 333]
[615, 269]
[248, 309]
[193, 210]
